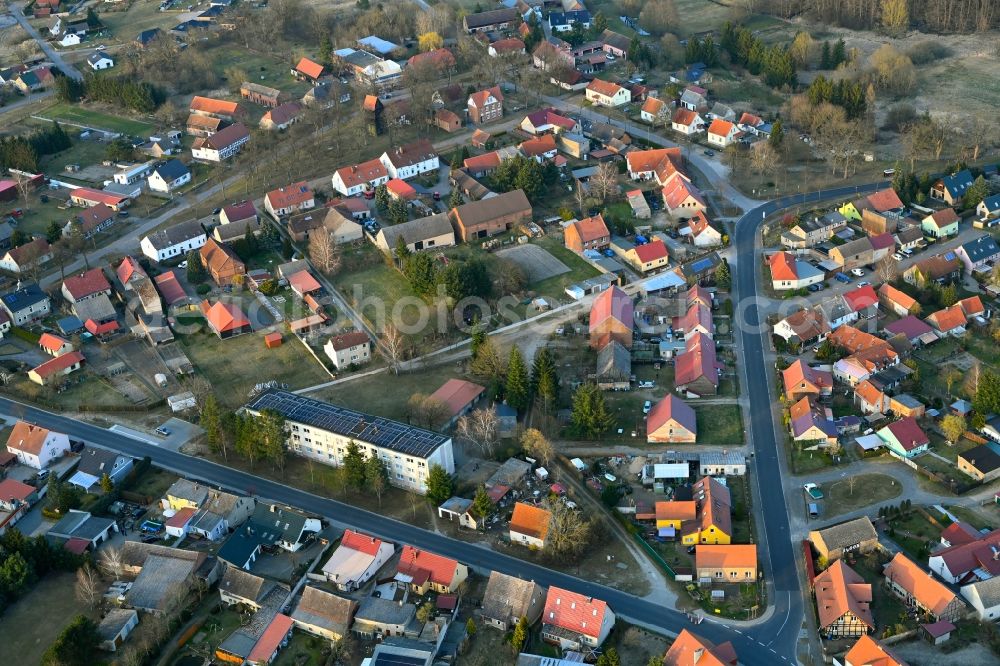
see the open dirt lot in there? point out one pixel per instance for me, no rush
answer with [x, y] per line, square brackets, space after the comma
[537, 263]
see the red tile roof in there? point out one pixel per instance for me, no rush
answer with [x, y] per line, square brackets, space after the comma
[214, 106]
[271, 639]
[651, 251]
[401, 189]
[972, 306]
[241, 211]
[360, 174]
[223, 317]
[457, 394]
[615, 303]
[591, 228]
[908, 433]
[480, 97]
[664, 162]
[483, 162]
[181, 518]
[943, 218]
[893, 295]
[170, 288]
[95, 216]
[550, 117]
[965, 558]
[87, 284]
[95, 328]
[97, 196]
[684, 116]
[861, 298]
[538, 146]
[440, 58]
[720, 127]
[678, 191]
[127, 269]
[12, 489]
[422, 565]
[27, 437]
[362, 543]
[947, 319]
[574, 612]
[884, 200]
[783, 266]
[311, 69]
[605, 88]
[58, 364]
[530, 520]
[840, 590]
[868, 652]
[290, 195]
[509, 45]
[689, 650]
[671, 408]
[52, 343]
[697, 361]
[303, 282]
[348, 340]
[930, 593]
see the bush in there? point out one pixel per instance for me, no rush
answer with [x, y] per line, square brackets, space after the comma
[899, 117]
[928, 51]
[203, 289]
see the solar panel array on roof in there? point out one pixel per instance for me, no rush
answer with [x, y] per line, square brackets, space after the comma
[701, 265]
[377, 430]
[948, 256]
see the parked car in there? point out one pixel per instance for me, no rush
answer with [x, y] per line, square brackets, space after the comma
[646, 406]
[898, 257]
[841, 277]
[813, 491]
[163, 432]
[647, 385]
[858, 272]
[710, 153]
[864, 283]
[814, 287]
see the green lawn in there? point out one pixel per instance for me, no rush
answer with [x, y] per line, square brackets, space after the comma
[868, 489]
[84, 153]
[224, 363]
[302, 650]
[35, 621]
[74, 113]
[386, 394]
[555, 287]
[719, 424]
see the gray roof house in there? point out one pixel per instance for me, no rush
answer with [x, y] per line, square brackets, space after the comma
[78, 530]
[614, 366]
[95, 463]
[323, 613]
[507, 599]
[978, 253]
[240, 587]
[376, 616]
[419, 234]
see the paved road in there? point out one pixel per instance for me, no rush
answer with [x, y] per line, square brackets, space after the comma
[780, 633]
[53, 55]
[639, 611]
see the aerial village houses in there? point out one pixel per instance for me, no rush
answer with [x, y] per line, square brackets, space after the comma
[573, 621]
[590, 233]
[529, 525]
[507, 599]
[289, 199]
[486, 105]
[671, 420]
[226, 320]
[222, 145]
[835, 541]
[424, 571]
[222, 263]
[321, 430]
[606, 93]
[843, 602]
[35, 446]
[488, 217]
[348, 349]
[920, 591]
[734, 563]
[174, 241]
[611, 318]
[356, 560]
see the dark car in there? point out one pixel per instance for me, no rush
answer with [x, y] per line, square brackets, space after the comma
[842, 277]
[814, 288]
[710, 153]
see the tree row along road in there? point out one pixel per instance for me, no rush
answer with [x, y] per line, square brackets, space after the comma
[776, 550]
[480, 558]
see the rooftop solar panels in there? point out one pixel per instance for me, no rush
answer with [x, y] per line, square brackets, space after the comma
[376, 430]
[701, 265]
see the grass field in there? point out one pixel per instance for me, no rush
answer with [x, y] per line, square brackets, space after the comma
[33, 623]
[73, 113]
[868, 489]
[224, 364]
[555, 287]
[719, 424]
[386, 393]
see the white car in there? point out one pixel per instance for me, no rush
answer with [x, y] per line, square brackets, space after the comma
[183, 264]
[864, 283]
[644, 385]
[646, 406]
[898, 257]
[857, 272]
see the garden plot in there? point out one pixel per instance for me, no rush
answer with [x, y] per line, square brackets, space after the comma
[538, 264]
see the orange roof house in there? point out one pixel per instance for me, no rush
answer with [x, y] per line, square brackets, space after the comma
[570, 614]
[53, 345]
[660, 164]
[611, 318]
[529, 525]
[216, 108]
[675, 513]
[50, 371]
[400, 189]
[225, 319]
[222, 263]
[918, 589]
[896, 301]
[843, 602]
[782, 265]
[949, 320]
[590, 233]
[801, 380]
[681, 197]
[726, 563]
[309, 69]
[652, 108]
[691, 650]
[868, 652]
[303, 282]
[272, 340]
[539, 147]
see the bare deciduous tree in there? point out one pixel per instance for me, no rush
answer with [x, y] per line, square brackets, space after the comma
[604, 183]
[88, 585]
[24, 187]
[887, 268]
[111, 562]
[393, 346]
[324, 253]
[480, 427]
